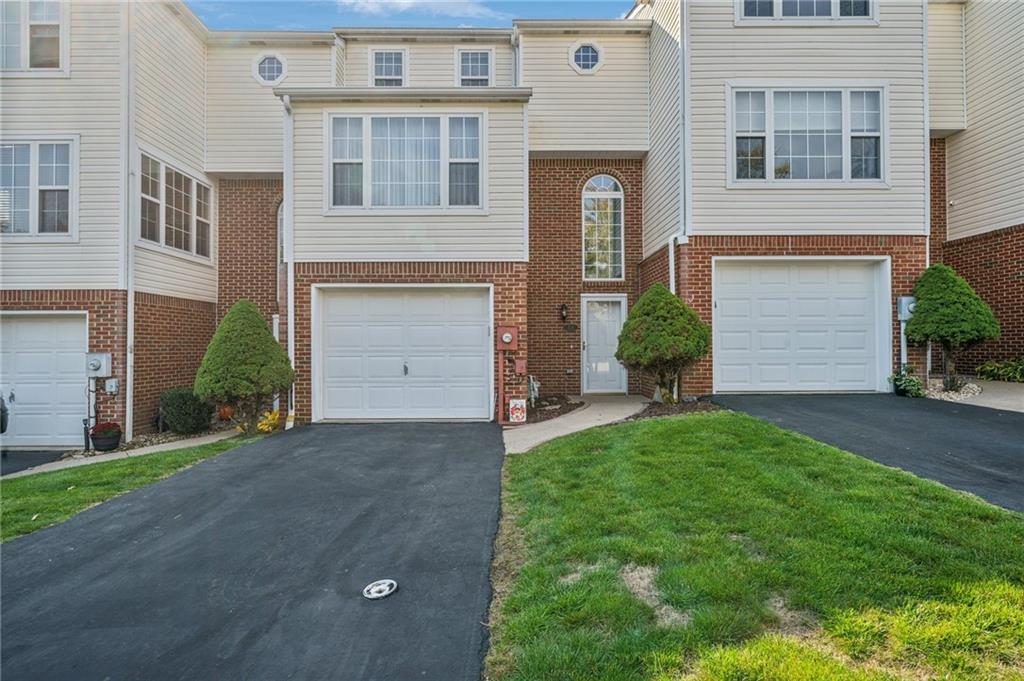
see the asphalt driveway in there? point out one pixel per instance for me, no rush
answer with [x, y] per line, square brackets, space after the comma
[251, 565]
[974, 449]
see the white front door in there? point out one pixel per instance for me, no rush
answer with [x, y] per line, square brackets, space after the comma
[42, 379]
[405, 353]
[602, 322]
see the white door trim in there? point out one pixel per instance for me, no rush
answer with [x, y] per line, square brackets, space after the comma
[621, 298]
[316, 341]
[883, 273]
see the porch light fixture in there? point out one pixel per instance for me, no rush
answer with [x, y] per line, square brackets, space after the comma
[564, 311]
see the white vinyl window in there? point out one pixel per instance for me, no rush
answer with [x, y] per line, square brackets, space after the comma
[33, 36]
[806, 10]
[585, 58]
[475, 67]
[404, 162]
[388, 68]
[175, 209]
[38, 187]
[269, 69]
[823, 135]
[603, 233]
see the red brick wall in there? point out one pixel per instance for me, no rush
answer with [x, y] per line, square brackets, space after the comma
[247, 243]
[993, 263]
[938, 199]
[508, 278]
[556, 270]
[171, 335]
[107, 310]
[694, 261]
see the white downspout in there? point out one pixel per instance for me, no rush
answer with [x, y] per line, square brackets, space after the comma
[289, 238]
[128, 149]
[672, 263]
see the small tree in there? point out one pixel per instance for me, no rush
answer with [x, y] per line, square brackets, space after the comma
[661, 336]
[950, 313]
[244, 366]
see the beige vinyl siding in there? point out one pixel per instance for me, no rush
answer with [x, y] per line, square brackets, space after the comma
[499, 235]
[244, 119]
[430, 64]
[88, 104]
[169, 275]
[891, 52]
[985, 178]
[663, 193]
[946, 67]
[602, 112]
[170, 84]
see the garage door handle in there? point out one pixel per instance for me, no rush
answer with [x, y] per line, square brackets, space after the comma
[10, 397]
[405, 369]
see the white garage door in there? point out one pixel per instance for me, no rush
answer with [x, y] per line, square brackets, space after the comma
[42, 364]
[409, 353]
[790, 326]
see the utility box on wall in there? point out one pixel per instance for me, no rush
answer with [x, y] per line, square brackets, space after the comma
[97, 364]
[507, 338]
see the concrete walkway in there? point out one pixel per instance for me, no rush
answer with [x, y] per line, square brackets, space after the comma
[126, 454]
[598, 411]
[998, 395]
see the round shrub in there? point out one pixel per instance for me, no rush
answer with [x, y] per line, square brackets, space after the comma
[183, 412]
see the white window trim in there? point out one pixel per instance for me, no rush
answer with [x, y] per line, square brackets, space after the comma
[370, 67]
[367, 209]
[770, 182]
[572, 57]
[584, 195]
[64, 71]
[458, 65]
[256, 68]
[193, 175]
[33, 196]
[778, 20]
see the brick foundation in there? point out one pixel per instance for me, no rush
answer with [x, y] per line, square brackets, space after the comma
[171, 335]
[993, 264]
[247, 243]
[556, 270]
[508, 279]
[107, 310]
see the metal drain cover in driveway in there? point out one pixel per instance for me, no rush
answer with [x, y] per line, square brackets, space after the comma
[382, 588]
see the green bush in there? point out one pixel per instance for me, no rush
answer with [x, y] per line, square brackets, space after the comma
[950, 313]
[662, 335]
[183, 412]
[244, 366]
[1010, 370]
[906, 383]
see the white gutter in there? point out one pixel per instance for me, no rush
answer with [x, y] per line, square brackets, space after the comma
[289, 236]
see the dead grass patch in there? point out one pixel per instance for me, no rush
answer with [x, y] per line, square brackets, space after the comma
[639, 579]
[508, 558]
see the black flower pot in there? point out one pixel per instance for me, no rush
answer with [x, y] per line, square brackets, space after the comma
[105, 443]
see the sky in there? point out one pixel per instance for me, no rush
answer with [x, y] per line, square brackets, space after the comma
[323, 15]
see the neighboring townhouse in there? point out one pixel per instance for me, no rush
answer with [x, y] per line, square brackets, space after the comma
[398, 201]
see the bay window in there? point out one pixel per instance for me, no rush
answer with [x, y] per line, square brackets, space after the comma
[175, 209]
[405, 162]
[32, 36]
[37, 187]
[787, 135]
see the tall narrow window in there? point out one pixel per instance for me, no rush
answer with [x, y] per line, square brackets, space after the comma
[388, 68]
[603, 242]
[750, 136]
[177, 210]
[15, 188]
[865, 135]
[464, 161]
[474, 68]
[10, 34]
[37, 183]
[149, 206]
[347, 145]
[54, 188]
[202, 220]
[406, 167]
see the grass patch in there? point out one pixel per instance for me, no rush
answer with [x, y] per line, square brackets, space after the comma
[790, 559]
[36, 501]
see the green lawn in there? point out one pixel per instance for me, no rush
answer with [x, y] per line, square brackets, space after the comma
[36, 501]
[780, 557]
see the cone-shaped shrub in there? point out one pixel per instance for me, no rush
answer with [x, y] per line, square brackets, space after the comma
[950, 313]
[662, 335]
[244, 366]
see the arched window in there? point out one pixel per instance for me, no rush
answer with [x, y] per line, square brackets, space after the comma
[603, 237]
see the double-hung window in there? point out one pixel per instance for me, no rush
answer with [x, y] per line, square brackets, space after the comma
[788, 135]
[37, 187]
[405, 162]
[388, 68]
[32, 36]
[474, 67]
[800, 10]
[175, 209]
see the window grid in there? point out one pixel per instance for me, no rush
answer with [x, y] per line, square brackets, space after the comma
[270, 69]
[202, 220]
[806, 9]
[36, 184]
[388, 68]
[586, 57]
[347, 146]
[602, 229]
[464, 161]
[54, 180]
[808, 135]
[475, 68]
[44, 34]
[177, 210]
[15, 188]
[10, 35]
[149, 213]
[865, 134]
[176, 205]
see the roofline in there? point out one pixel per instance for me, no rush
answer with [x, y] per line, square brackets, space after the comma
[427, 34]
[404, 94]
[236, 38]
[588, 26]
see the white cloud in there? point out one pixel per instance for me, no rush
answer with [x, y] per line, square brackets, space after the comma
[460, 9]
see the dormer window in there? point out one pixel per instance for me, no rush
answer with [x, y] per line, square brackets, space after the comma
[269, 69]
[475, 68]
[388, 68]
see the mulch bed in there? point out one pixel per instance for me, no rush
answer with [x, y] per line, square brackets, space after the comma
[146, 440]
[656, 409]
[548, 408]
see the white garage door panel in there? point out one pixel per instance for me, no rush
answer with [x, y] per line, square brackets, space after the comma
[796, 326]
[406, 353]
[42, 361]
